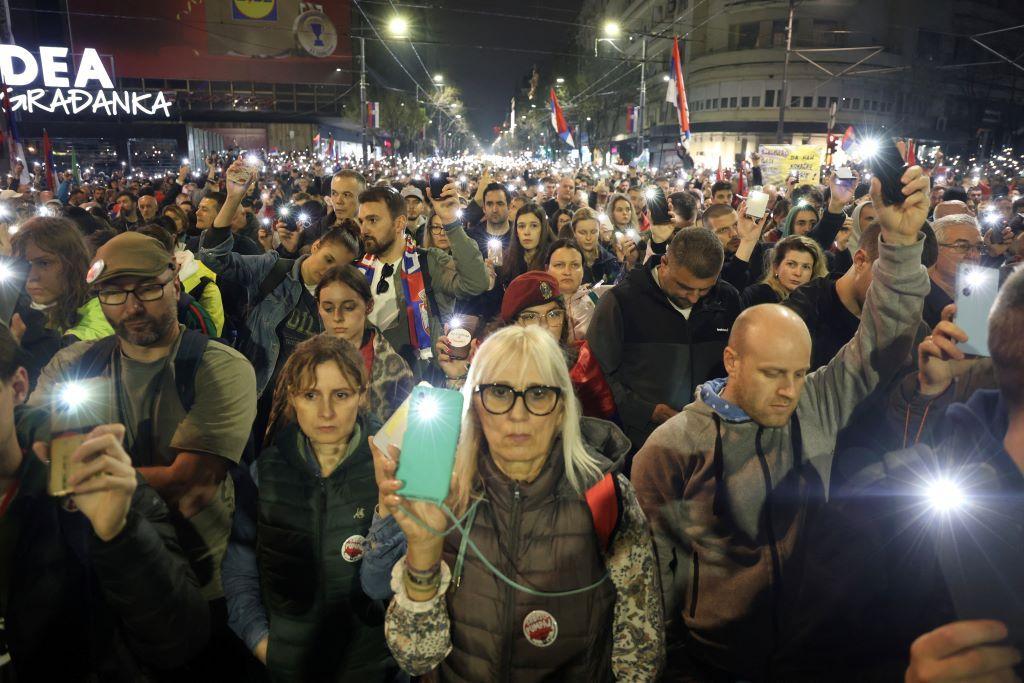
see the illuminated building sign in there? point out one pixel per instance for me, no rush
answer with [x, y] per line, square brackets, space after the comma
[92, 91]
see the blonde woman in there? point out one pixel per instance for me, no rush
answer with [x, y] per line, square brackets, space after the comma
[795, 261]
[568, 609]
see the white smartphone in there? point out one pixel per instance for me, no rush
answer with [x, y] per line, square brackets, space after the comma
[757, 203]
[976, 290]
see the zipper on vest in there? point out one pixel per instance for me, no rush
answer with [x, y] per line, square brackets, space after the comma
[321, 519]
[510, 606]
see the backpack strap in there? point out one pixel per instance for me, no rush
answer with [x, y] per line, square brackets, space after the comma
[605, 502]
[197, 291]
[96, 359]
[278, 272]
[186, 365]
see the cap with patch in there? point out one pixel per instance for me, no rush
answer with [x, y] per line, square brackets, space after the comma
[534, 288]
[413, 191]
[130, 254]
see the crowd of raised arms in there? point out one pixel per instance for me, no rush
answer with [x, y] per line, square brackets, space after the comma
[658, 424]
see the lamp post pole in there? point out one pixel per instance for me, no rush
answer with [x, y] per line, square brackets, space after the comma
[784, 94]
[362, 96]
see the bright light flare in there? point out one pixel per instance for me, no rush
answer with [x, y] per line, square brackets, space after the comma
[945, 495]
[5, 272]
[43, 211]
[265, 221]
[73, 395]
[398, 27]
[868, 147]
[612, 29]
[650, 193]
[428, 409]
[283, 212]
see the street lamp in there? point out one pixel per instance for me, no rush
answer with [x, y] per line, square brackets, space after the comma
[612, 29]
[559, 80]
[398, 27]
[438, 78]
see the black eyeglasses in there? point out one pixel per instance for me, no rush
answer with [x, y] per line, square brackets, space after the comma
[385, 278]
[965, 247]
[116, 297]
[499, 399]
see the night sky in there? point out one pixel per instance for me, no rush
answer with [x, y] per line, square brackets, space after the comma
[483, 54]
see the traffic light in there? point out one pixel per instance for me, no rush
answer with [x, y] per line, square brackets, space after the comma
[833, 143]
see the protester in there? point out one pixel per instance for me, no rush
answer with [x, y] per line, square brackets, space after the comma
[960, 242]
[344, 299]
[523, 439]
[660, 332]
[62, 309]
[599, 265]
[565, 263]
[187, 403]
[531, 239]
[795, 261]
[99, 572]
[291, 572]
[282, 310]
[699, 469]
[564, 198]
[407, 281]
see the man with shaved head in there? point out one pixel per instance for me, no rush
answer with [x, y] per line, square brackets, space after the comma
[729, 483]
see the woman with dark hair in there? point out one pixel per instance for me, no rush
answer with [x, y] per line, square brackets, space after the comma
[566, 262]
[561, 220]
[795, 261]
[291, 571]
[345, 300]
[61, 309]
[531, 237]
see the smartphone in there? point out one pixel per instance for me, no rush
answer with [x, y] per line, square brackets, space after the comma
[888, 166]
[428, 446]
[980, 552]
[76, 409]
[757, 203]
[657, 205]
[976, 290]
[13, 274]
[438, 179]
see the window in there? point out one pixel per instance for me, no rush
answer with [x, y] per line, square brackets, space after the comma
[744, 101]
[714, 103]
[874, 105]
[856, 103]
[744, 36]
[821, 102]
[769, 98]
[755, 101]
[707, 104]
[779, 34]
[828, 33]
[808, 102]
[732, 102]
[794, 101]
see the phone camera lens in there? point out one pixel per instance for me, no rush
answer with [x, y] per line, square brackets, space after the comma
[967, 291]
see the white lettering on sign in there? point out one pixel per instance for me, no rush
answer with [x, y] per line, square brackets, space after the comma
[75, 101]
[18, 67]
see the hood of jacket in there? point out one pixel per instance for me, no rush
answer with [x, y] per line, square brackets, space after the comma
[855, 231]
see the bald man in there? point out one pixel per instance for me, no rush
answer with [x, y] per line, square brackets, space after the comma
[728, 483]
[949, 208]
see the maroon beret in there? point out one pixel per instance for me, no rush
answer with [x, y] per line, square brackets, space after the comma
[534, 288]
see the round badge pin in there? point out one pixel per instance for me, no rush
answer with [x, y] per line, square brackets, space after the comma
[353, 548]
[540, 628]
[95, 271]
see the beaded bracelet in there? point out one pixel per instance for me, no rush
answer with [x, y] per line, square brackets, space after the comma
[423, 579]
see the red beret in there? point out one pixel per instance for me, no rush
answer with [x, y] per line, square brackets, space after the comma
[534, 288]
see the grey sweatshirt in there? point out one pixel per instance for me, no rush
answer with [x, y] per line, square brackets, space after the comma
[726, 520]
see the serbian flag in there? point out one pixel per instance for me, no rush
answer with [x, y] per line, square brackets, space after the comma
[558, 121]
[719, 176]
[631, 117]
[373, 114]
[849, 137]
[330, 145]
[911, 152]
[676, 93]
[316, 140]
[48, 161]
[741, 181]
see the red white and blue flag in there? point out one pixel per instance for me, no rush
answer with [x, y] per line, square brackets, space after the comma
[848, 139]
[676, 93]
[373, 114]
[558, 121]
[632, 116]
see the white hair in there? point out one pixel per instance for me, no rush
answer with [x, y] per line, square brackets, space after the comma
[523, 349]
[941, 225]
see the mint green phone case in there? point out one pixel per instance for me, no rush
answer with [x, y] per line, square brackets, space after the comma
[428, 448]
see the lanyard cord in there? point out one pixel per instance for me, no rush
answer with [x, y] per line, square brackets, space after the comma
[457, 523]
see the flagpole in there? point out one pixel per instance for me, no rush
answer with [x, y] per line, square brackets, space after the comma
[642, 111]
[362, 94]
[784, 95]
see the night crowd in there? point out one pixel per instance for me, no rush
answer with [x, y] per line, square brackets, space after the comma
[702, 440]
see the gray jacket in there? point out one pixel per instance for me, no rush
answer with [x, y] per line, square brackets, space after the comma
[728, 499]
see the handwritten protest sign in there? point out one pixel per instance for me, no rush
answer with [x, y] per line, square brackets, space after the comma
[779, 161]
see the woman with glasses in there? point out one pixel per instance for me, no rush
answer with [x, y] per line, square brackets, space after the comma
[535, 300]
[291, 572]
[344, 300]
[529, 589]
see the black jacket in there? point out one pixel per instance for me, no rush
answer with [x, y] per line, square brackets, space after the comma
[830, 323]
[761, 293]
[650, 353]
[936, 300]
[79, 608]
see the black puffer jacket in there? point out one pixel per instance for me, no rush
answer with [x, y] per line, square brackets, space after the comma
[78, 608]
